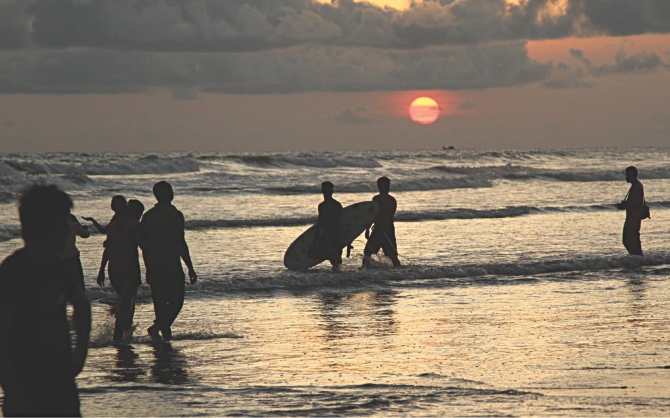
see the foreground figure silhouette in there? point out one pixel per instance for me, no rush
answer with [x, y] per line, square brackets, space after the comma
[327, 243]
[70, 253]
[163, 245]
[37, 365]
[383, 231]
[124, 266]
[633, 204]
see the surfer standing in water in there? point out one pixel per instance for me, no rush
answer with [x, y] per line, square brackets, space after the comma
[327, 243]
[383, 231]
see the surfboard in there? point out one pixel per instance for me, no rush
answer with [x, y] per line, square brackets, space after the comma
[353, 221]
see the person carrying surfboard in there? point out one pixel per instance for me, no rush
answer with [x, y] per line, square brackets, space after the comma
[327, 243]
[383, 231]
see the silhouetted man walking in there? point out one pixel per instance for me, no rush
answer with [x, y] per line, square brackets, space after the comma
[383, 231]
[633, 204]
[163, 245]
[37, 364]
[327, 243]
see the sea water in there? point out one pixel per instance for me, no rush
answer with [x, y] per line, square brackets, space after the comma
[516, 296]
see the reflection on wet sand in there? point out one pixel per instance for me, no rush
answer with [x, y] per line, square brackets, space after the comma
[350, 315]
[170, 367]
[126, 368]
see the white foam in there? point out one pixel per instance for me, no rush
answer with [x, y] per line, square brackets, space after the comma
[455, 274]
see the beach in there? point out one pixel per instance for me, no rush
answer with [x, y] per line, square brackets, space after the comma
[515, 298]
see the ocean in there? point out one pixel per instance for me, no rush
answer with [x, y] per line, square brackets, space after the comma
[516, 296]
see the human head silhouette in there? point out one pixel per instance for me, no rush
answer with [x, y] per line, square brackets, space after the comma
[119, 204]
[44, 212]
[135, 209]
[163, 192]
[631, 174]
[384, 185]
[327, 189]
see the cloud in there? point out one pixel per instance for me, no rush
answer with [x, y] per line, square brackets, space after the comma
[348, 116]
[298, 69]
[626, 17]
[467, 106]
[14, 25]
[565, 76]
[254, 25]
[638, 63]
[284, 46]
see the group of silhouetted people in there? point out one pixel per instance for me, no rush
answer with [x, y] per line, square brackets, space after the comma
[38, 366]
[328, 243]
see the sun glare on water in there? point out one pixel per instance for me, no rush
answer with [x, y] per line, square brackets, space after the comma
[424, 111]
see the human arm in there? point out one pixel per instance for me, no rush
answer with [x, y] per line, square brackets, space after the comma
[97, 226]
[82, 326]
[319, 222]
[184, 252]
[103, 265]
[82, 231]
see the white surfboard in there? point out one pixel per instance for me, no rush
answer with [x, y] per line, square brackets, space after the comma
[353, 221]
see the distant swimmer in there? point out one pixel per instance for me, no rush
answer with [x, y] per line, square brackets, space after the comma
[118, 207]
[383, 231]
[124, 266]
[70, 253]
[38, 364]
[636, 211]
[163, 245]
[327, 243]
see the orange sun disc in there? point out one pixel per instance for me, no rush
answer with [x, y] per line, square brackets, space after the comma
[424, 111]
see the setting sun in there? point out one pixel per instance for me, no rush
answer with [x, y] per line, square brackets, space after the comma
[424, 111]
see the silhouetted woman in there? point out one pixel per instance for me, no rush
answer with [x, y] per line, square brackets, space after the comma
[124, 266]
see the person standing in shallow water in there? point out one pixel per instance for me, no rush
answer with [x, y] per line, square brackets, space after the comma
[37, 363]
[383, 231]
[327, 243]
[124, 266]
[164, 246]
[633, 204]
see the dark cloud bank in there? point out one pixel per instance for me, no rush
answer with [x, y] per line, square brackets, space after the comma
[277, 46]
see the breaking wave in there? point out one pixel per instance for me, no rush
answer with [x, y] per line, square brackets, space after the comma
[9, 233]
[149, 164]
[413, 216]
[403, 185]
[314, 161]
[416, 275]
[516, 172]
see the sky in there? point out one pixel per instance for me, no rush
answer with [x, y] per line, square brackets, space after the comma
[275, 75]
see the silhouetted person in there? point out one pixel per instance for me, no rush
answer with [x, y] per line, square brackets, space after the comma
[37, 364]
[327, 243]
[70, 253]
[633, 204]
[383, 231]
[163, 245]
[118, 207]
[124, 266]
